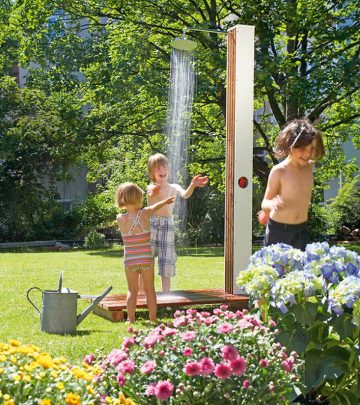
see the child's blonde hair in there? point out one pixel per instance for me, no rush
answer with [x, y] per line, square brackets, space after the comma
[155, 161]
[299, 133]
[128, 194]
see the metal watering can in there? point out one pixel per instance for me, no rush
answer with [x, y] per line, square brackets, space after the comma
[59, 308]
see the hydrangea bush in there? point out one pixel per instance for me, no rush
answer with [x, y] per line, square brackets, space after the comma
[203, 358]
[315, 299]
[29, 376]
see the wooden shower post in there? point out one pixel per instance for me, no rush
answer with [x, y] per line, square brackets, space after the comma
[239, 152]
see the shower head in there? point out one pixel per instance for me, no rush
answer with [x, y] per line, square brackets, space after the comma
[187, 44]
[183, 44]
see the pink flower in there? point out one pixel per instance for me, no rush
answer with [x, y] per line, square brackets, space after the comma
[129, 341]
[225, 328]
[187, 352]
[283, 355]
[246, 384]
[116, 356]
[170, 332]
[229, 352]
[148, 367]
[222, 371]
[120, 379]
[224, 307]
[150, 389]
[238, 366]
[192, 368]
[205, 314]
[207, 365]
[229, 315]
[243, 323]
[127, 366]
[209, 321]
[263, 363]
[89, 358]
[188, 336]
[163, 390]
[180, 321]
[288, 364]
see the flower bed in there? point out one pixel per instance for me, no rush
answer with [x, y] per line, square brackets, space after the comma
[29, 376]
[202, 358]
[314, 296]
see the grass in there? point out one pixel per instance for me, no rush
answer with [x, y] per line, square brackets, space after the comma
[88, 272]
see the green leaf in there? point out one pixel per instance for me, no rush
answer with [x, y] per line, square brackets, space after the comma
[294, 340]
[343, 326]
[345, 397]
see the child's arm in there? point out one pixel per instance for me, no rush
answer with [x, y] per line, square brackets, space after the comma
[155, 207]
[272, 200]
[120, 222]
[197, 181]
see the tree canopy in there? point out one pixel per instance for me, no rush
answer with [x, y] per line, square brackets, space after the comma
[104, 69]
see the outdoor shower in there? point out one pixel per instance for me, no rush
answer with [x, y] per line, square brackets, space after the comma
[239, 143]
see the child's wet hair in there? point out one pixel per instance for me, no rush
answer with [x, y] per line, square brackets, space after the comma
[155, 161]
[128, 194]
[299, 133]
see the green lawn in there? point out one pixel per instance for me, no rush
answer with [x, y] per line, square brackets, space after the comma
[88, 272]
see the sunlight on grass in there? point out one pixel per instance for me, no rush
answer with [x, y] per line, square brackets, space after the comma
[88, 272]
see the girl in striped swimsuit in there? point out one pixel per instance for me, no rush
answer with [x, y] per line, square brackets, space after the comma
[134, 226]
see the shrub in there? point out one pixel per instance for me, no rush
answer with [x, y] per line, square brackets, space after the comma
[95, 240]
[314, 296]
[345, 208]
[203, 358]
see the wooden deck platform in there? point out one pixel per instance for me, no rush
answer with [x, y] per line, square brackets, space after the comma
[112, 307]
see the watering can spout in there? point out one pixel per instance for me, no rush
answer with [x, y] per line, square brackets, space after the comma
[88, 309]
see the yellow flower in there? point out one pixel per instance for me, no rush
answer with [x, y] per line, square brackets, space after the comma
[9, 402]
[17, 377]
[2, 357]
[1, 370]
[90, 390]
[53, 374]
[45, 402]
[72, 399]
[122, 399]
[108, 400]
[97, 370]
[60, 386]
[14, 342]
[44, 360]
[27, 378]
[13, 359]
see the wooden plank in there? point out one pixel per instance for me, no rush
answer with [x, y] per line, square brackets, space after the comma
[230, 161]
[112, 307]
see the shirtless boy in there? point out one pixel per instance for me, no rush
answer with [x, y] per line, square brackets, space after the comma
[288, 192]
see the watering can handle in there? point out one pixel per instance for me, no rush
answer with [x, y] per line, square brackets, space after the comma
[28, 297]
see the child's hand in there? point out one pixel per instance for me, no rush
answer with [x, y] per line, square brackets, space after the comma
[153, 189]
[200, 181]
[170, 200]
[277, 202]
[263, 217]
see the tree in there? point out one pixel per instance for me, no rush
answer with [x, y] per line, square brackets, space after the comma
[307, 61]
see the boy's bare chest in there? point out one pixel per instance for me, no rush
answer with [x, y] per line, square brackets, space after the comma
[297, 183]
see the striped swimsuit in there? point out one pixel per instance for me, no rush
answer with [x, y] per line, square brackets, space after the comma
[137, 248]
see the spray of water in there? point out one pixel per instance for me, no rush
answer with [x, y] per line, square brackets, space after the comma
[178, 123]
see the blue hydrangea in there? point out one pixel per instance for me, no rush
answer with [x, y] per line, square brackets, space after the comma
[345, 294]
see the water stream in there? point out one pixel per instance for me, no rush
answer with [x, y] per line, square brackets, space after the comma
[178, 124]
